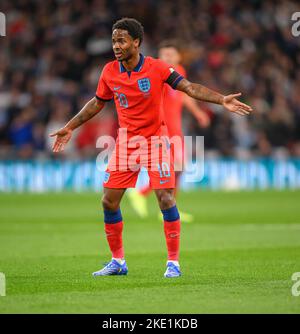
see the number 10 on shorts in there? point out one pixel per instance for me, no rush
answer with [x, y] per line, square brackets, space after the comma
[164, 170]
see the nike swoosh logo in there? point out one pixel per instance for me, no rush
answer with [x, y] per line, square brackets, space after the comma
[162, 182]
[116, 88]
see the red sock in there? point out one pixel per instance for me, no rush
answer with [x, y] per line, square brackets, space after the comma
[172, 233]
[114, 238]
[146, 191]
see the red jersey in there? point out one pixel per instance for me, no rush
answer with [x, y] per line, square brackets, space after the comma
[138, 94]
[172, 106]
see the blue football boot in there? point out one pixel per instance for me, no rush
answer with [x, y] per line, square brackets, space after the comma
[172, 270]
[112, 268]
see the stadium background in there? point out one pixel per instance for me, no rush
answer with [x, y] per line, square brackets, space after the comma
[241, 250]
[55, 50]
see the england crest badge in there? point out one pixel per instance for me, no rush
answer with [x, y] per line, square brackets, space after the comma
[144, 85]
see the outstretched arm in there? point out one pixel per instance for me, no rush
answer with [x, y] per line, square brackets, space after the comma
[203, 93]
[93, 107]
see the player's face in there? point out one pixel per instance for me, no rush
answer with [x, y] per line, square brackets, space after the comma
[170, 55]
[124, 46]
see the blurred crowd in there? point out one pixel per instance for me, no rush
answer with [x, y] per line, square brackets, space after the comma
[52, 56]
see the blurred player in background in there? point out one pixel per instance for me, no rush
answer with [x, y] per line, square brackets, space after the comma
[136, 83]
[173, 103]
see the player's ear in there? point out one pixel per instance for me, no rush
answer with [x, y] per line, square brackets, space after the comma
[136, 42]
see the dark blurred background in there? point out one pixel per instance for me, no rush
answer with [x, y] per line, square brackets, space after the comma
[52, 56]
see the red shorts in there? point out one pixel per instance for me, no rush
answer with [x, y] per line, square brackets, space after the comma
[125, 164]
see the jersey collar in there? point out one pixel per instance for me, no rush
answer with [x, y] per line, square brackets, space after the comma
[137, 68]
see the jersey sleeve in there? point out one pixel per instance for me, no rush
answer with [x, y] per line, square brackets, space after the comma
[103, 92]
[168, 74]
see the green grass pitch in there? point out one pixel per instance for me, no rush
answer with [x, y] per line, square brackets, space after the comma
[237, 257]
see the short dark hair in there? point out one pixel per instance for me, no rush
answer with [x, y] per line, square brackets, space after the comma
[170, 43]
[133, 26]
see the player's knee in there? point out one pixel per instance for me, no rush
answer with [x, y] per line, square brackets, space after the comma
[109, 204]
[166, 200]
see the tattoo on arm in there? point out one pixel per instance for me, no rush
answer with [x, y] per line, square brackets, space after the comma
[92, 108]
[199, 92]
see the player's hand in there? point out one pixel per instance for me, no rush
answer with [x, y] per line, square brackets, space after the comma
[232, 104]
[62, 138]
[203, 119]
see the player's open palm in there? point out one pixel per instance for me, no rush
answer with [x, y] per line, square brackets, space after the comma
[62, 138]
[232, 104]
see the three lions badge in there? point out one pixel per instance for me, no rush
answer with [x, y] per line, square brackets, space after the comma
[144, 85]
